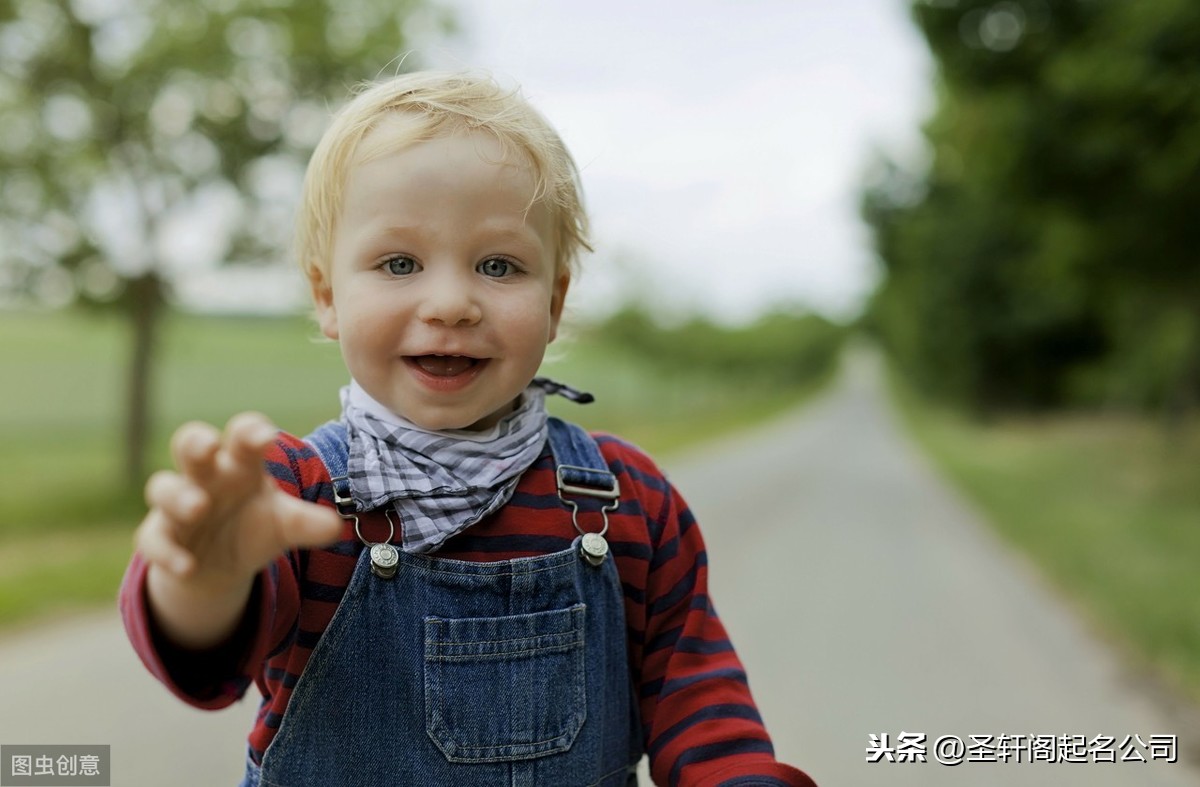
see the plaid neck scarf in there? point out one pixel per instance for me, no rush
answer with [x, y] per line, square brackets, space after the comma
[439, 483]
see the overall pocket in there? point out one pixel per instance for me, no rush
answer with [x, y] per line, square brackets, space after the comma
[505, 688]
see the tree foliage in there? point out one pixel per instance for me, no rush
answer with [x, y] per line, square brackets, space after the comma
[121, 121]
[782, 347]
[1048, 255]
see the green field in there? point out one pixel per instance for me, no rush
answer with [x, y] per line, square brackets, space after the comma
[66, 517]
[1107, 505]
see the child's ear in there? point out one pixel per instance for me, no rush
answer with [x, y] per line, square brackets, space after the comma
[322, 295]
[558, 297]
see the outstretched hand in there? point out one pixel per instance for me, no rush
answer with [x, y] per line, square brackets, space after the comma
[219, 518]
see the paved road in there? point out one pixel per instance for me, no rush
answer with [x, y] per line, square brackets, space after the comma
[864, 597]
[867, 598]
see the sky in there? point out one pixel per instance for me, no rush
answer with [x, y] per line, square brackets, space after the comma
[722, 145]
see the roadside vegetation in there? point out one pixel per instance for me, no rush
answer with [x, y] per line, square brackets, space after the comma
[1105, 504]
[67, 516]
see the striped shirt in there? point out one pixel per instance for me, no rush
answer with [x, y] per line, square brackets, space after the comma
[700, 723]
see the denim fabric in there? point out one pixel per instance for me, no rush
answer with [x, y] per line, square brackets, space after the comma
[459, 673]
[517, 660]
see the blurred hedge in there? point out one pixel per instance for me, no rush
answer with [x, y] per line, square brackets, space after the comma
[1046, 255]
[783, 348]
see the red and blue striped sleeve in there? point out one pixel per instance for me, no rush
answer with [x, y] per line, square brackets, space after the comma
[700, 722]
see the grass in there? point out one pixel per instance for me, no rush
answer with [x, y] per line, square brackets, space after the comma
[66, 517]
[1107, 505]
[60, 572]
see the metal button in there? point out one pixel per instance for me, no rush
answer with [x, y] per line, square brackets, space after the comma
[594, 548]
[384, 560]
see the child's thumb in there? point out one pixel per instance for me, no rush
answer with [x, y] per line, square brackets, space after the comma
[304, 524]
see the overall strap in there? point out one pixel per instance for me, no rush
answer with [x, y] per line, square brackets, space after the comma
[331, 444]
[579, 465]
[580, 470]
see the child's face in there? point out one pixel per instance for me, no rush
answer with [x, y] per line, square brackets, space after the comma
[442, 289]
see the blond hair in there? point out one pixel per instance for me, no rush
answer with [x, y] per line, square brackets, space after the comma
[439, 103]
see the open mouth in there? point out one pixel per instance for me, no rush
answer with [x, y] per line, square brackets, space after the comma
[444, 365]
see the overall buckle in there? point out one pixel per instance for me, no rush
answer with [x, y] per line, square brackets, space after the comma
[586, 482]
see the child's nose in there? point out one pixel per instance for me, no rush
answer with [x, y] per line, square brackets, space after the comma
[449, 300]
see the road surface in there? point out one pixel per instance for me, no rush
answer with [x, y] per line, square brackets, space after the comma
[865, 597]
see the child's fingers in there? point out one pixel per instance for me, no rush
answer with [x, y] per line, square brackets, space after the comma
[155, 540]
[176, 496]
[194, 447]
[303, 524]
[247, 436]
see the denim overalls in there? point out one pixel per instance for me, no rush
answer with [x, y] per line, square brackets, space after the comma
[461, 673]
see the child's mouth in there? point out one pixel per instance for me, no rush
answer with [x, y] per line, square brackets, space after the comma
[443, 365]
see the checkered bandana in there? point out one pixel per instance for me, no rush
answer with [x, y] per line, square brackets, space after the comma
[440, 483]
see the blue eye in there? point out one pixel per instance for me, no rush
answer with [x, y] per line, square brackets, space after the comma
[495, 267]
[400, 266]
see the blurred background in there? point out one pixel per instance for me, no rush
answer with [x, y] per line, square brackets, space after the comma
[997, 198]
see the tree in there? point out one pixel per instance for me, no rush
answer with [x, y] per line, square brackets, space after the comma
[1047, 255]
[120, 119]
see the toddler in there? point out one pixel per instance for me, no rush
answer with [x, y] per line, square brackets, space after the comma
[445, 586]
